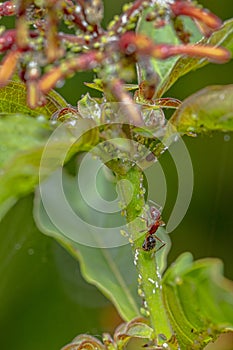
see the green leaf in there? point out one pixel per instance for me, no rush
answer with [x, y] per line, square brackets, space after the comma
[96, 85]
[89, 108]
[222, 37]
[37, 275]
[208, 109]
[162, 35]
[13, 99]
[198, 299]
[166, 34]
[23, 141]
[110, 269]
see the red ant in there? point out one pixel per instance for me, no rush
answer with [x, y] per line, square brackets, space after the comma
[150, 239]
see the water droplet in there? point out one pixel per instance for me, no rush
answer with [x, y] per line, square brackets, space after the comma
[158, 273]
[60, 83]
[30, 251]
[72, 122]
[192, 134]
[41, 118]
[18, 246]
[222, 97]
[178, 280]
[227, 138]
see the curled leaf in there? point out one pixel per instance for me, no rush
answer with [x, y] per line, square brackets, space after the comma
[84, 342]
[198, 299]
[137, 328]
[8, 66]
[187, 9]
[206, 110]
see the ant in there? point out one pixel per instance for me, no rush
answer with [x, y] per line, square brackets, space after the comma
[151, 238]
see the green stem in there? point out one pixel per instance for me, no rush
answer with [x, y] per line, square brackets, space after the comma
[150, 287]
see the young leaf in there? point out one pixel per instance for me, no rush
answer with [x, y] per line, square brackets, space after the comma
[166, 34]
[13, 100]
[222, 37]
[161, 35]
[136, 328]
[208, 109]
[110, 269]
[198, 299]
[84, 341]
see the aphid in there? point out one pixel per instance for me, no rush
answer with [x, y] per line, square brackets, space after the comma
[151, 238]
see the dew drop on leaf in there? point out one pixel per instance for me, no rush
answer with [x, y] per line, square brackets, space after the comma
[227, 138]
[30, 251]
[178, 280]
[18, 246]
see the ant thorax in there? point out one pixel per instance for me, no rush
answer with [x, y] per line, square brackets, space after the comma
[153, 223]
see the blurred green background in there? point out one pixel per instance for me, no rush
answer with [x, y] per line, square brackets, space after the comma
[44, 300]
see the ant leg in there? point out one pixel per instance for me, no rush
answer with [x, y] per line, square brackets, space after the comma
[164, 243]
[146, 223]
[161, 241]
[158, 207]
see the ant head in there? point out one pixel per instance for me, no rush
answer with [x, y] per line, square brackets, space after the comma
[155, 213]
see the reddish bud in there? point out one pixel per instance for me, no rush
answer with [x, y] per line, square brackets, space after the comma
[32, 94]
[131, 43]
[128, 108]
[8, 66]
[187, 9]
[49, 80]
[84, 62]
[7, 39]
[214, 54]
[7, 8]
[22, 33]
